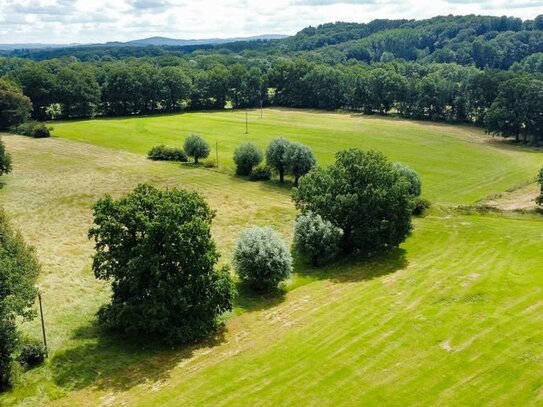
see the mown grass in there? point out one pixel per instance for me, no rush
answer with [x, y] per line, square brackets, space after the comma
[457, 164]
[451, 318]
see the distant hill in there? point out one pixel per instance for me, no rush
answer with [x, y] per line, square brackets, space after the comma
[174, 42]
[12, 47]
[154, 41]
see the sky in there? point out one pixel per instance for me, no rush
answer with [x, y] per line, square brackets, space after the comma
[96, 21]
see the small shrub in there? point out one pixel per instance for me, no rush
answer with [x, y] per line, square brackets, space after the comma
[539, 199]
[40, 130]
[260, 174]
[33, 129]
[421, 205]
[246, 157]
[262, 258]
[163, 153]
[32, 353]
[316, 238]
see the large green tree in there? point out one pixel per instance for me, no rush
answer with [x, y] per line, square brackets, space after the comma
[176, 87]
[40, 86]
[15, 107]
[78, 91]
[507, 116]
[156, 249]
[19, 269]
[195, 146]
[300, 160]
[276, 156]
[5, 159]
[364, 195]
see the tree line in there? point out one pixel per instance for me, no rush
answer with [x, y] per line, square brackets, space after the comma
[505, 102]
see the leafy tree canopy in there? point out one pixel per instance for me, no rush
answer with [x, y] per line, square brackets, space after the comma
[156, 249]
[364, 195]
[262, 258]
[5, 159]
[195, 146]
[15, 107]
[19, 269]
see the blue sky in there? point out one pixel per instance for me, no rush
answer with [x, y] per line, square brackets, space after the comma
[87, 21]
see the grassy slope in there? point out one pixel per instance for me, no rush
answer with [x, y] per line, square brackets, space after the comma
[457, 164]
[453, 318]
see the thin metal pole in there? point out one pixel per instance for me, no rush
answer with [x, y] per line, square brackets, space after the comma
[43, 326]
[217, 152]
[261, 108]
[246, 122]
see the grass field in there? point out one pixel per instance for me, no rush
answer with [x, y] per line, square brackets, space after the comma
[451, 318]
[457, 164]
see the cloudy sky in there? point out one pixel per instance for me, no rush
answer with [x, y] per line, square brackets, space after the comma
[87, 21]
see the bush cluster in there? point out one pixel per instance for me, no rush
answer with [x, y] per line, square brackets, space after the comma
[283, 156]
[163, 153]
[365, 195]
[33, 129]
[32, 353]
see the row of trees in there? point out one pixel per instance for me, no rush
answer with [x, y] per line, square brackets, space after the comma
[76, 90]
[447, 92]
[283, 156]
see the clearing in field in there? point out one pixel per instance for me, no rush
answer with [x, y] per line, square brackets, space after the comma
[451, 318]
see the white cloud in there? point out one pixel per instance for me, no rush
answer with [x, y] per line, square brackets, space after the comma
[85, 21]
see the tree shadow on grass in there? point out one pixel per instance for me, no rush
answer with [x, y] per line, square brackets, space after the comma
[109, 361]
[250, 300]
[355, 267]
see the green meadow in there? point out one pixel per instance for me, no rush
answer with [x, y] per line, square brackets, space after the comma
[453, 317]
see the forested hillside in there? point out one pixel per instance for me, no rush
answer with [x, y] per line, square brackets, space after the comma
[474, 69]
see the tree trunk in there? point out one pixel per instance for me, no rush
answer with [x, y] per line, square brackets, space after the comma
[281, 175]
[296, 178]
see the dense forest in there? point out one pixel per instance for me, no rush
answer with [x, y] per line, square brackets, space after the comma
[474, 69]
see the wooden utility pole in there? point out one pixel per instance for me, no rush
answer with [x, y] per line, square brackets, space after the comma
[43, 326]
[246, 122]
